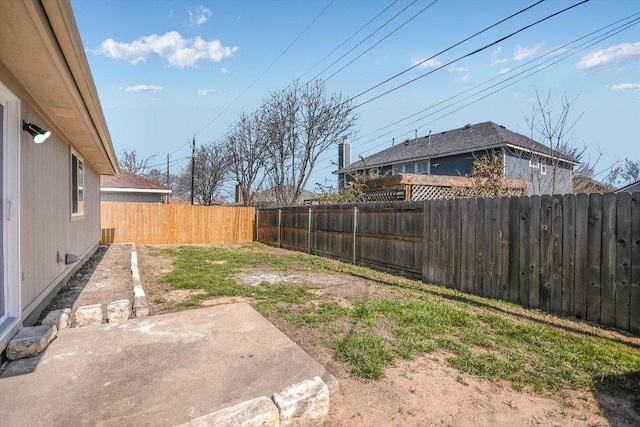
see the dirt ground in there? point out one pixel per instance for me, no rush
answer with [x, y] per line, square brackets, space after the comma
[104, 278]
[420, 392]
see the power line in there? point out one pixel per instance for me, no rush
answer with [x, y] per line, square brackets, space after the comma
[558, 49]
[181, 147]
[446, 50]
[383, 39]
[172, 162]
[536, 69]
[267, 69]
[471, 53]
[365, 39]
[349, 38]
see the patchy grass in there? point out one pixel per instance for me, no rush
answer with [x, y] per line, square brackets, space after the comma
[481, 337]
[367, 353]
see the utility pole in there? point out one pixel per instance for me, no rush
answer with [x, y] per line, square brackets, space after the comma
[168, 176]
[193, 166]
[167, 199]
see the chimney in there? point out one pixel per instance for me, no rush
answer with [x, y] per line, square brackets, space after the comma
[344, 153]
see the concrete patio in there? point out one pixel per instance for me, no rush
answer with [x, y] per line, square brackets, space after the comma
[163, 370]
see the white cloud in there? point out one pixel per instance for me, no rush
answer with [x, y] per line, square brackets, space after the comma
[504, 71]
[143, 88]
[204, 92]
[520, 52]
[458, 70]
[494, 57]
[431, 63]
[518, 95]
[200, 16]
[176, 50]
[614, 55]
[625, 86]
[464, 79]
[223, 70]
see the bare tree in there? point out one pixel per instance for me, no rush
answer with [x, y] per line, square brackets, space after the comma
[130, 162]
[248, 150]
[550, 125]
[624, 174]
[211, 170]
[301, 123]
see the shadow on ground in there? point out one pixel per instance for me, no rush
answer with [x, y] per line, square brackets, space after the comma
[621, 408]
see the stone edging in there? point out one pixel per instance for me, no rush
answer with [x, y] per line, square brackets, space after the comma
[303, 404]
[140, 307]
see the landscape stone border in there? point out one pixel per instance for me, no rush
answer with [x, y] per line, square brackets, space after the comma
[305, 404]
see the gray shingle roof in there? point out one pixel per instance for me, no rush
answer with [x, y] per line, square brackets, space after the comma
[467, 139]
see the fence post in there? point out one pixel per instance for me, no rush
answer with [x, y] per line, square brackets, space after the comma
[309, 238]
[279, 228]
[355, 231]
[257, 225]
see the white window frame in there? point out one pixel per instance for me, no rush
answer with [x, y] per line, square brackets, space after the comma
[10, 206]
[77, 190]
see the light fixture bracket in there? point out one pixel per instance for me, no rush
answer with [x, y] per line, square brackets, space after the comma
[39, 135]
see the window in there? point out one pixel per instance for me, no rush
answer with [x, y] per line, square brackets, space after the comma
[397, 170]
[408, 168]
[77, 185]
[422, 167]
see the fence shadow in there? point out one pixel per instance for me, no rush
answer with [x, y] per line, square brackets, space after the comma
[621, 408]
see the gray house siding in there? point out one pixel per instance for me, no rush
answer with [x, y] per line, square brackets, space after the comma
[131, 197]
[539, 172]
[45, 80]
[459, 165]
[47, 226]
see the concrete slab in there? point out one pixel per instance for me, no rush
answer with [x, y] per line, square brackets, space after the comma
[162, 370]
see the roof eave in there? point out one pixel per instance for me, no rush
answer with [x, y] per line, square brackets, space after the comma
[134, 190]
[41, 48]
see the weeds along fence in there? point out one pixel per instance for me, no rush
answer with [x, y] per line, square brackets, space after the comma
[149, 223]
[575, 255]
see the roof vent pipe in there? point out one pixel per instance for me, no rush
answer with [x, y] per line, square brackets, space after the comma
[429, 142]
[416, 137]
[393, 142]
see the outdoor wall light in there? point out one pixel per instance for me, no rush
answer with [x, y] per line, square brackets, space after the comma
[39, 135]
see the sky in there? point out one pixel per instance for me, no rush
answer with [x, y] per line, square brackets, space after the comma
[169, 71]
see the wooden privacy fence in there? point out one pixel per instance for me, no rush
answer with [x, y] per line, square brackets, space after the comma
[576, 255]
[148, 223]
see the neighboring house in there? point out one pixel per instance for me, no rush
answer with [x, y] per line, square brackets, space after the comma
[630, 188]
[50, 190]
[453, 152]
[583, 184]
[269, 197]
[128, 187]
